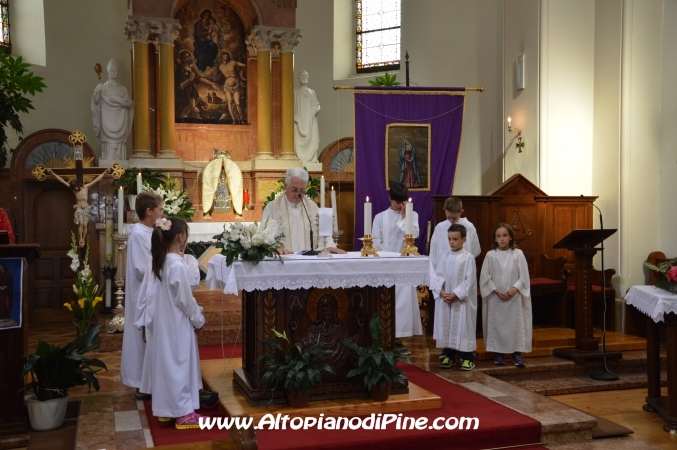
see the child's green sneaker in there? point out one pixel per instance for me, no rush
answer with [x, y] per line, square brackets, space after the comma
[467, 365]
[447, 363]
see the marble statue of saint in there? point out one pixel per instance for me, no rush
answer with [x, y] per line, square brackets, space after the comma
[306, 132]
[113, 115]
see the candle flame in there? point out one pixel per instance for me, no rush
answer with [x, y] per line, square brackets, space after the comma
[367, 199]
[332, 188]
[409, 199]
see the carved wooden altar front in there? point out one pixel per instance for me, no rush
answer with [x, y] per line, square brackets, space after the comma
[317, 316]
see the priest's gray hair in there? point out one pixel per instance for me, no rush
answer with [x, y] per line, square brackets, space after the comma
[296, 173]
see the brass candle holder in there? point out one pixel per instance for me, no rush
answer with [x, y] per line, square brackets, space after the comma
[409, 247]
[117, 323]
[368, 247]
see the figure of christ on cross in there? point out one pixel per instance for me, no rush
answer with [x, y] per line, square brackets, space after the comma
[82, 209]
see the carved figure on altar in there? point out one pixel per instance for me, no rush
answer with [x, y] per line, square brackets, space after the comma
[113, 115]
[328, 331]
[222, 196]
[83, 211]
[306, 132]
[231, 183]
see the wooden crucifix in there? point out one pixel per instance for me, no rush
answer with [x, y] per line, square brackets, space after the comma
[79, 176]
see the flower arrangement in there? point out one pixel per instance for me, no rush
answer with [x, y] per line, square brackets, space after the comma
[667, 274]
[87, 291]
[176, 201]
[251, 242]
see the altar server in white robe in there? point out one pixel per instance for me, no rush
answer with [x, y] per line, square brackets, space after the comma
[148, 208]
[173, 316]
[456, 308]
[388, 232]
[288, 210]
[506, 299]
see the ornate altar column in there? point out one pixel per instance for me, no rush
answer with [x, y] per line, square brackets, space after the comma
[259, 41]
[138, 30]
[288, 39]
[168, 30]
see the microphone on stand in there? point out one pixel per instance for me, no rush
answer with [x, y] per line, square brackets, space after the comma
[312, 250]
[606, 374]
[16, 226]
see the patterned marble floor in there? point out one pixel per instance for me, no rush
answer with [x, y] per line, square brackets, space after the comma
[112, 419]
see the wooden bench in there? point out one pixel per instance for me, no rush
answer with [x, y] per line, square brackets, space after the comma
[550, 286]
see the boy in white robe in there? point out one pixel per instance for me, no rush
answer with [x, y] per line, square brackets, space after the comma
[388, 234]
[506, 299]
[456, 307]
[439, 242]
[148, 208]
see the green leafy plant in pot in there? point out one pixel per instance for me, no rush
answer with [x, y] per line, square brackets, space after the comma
[53, 370]
[297, 372]
[375, 364]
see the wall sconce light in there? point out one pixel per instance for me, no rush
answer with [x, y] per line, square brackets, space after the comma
[517, 132]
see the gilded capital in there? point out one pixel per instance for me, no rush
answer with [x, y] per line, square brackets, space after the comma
[288, 38]
[138, 29]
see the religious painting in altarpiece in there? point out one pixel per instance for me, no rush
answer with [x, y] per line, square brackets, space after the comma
[210, 65]
[408, 155]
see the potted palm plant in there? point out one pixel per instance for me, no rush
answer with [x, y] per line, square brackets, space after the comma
[53, 370]
[377, 366]
[297, 372]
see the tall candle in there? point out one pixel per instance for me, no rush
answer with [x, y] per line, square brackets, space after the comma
[322, 192]
[334, 208]
[409, 218]
[109, 294]
[245, 197]
[139, 184]
[121, 209]
[367, 217]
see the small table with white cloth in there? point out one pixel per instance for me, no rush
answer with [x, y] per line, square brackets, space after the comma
[660, 306]
[290, 297]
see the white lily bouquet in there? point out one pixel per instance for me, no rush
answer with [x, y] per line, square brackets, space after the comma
[251, 242]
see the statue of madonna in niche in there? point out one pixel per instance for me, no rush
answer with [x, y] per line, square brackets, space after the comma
[210, 65]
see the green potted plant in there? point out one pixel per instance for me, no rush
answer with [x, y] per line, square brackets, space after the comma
[53, 370]
[297, 372]
[15, 82]
[128, 180]
[385, 80]
[376, 365]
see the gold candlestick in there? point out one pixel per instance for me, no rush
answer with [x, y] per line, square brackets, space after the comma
[117, 323]
[367, 248]
[409, 247]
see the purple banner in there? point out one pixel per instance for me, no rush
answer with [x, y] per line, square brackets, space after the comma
[440, 111]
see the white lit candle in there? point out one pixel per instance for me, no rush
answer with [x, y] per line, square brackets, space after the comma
[367, 217]
[139, 184]
[334, 208]
[121, 209]
[409, 218]
[322, 192]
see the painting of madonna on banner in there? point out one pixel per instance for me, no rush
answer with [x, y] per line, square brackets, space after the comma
[210, 77]
[408, 155]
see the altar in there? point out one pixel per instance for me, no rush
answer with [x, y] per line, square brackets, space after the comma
[287, 297]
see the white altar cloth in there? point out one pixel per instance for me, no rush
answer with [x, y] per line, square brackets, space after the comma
[305, 272]
[652, 301]
[199, 231]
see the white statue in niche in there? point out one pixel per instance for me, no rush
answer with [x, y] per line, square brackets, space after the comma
[113, 115]
[306, 132]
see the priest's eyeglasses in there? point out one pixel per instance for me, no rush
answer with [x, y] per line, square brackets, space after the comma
[298, 191]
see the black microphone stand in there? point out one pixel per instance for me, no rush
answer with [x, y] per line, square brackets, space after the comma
[606, 374]
[312, 250]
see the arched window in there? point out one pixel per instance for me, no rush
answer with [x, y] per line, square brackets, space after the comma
[4, 37]
[378, 35]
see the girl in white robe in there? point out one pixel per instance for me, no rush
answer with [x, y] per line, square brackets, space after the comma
[172, 315]
[388, 233]
[456, 307]
[506, 299]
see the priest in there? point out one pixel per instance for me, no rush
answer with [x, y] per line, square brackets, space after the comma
[296, 212]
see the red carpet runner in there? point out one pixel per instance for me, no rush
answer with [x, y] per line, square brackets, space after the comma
[499, 426]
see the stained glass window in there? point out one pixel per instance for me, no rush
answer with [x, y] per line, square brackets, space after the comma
[4, 37]
[378, 35]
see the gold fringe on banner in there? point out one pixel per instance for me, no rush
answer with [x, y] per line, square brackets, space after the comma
[398, 91]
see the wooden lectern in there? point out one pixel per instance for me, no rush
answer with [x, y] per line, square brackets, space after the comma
[14, 344]
[583, 243]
